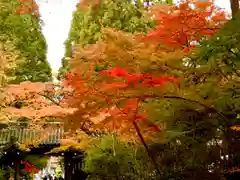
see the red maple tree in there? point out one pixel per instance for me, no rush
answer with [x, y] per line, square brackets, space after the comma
[184, 25]
[119, 86]
[122, 94]
[114, 99]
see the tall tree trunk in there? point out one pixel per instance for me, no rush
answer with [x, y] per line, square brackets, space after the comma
[234, 7]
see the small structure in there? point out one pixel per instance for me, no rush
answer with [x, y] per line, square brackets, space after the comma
[11, 139]
[72, 163]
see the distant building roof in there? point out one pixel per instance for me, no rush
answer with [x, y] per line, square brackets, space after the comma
[31, 136]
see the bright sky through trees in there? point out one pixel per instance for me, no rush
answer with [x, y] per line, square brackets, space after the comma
[57, 15]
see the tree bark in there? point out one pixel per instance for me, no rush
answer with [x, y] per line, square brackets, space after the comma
[17, 170]
[234, 7]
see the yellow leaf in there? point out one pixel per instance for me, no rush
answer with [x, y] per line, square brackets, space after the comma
[235, 128]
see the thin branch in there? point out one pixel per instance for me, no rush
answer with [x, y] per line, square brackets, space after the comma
[49, 98]
[139, 133]
[143, 97]
[142, 138]
[195, 102]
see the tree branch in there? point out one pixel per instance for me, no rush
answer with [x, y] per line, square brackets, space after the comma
[49, 98]
[142, 138]
[143, 97]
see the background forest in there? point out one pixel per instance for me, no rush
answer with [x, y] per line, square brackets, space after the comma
[148, 90]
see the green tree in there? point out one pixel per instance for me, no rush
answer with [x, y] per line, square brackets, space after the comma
[118, 14]
[23, 30]
[9, 59]
[110, 158]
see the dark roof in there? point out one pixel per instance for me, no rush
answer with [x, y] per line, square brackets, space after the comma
[31, 136]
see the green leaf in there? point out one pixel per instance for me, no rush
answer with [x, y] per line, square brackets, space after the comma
[238, 116]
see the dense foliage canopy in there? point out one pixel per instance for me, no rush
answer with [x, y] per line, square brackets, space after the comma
[184, 124]
[118, 14]
[20, 24]
[143, 102]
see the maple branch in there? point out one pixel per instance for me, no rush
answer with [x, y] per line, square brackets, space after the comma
[192, 101]
[175, 97]
[142, 138]
[49, 98]
[140, 134]
[209, 28]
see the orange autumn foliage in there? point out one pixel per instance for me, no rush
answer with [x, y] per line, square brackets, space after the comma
[107, 101]
[121, 93]
[182, 26]
[34, 101]
[89, 88]
[85, 4]
[28, 6]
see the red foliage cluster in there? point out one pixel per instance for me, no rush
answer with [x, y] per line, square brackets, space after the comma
[130, 111]
[30, 168]
[129, 114]
[28, 6]
[130, 79]
[120, 119]
[183, 26]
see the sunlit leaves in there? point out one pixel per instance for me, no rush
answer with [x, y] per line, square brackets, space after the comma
[9, 58]
[236, 128]
[179, 26]
[34, 101]
[87, 25]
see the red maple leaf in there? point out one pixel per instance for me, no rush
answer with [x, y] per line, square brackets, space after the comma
[133, 78]
[115, 72]
[115, 85]
[130, 106]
